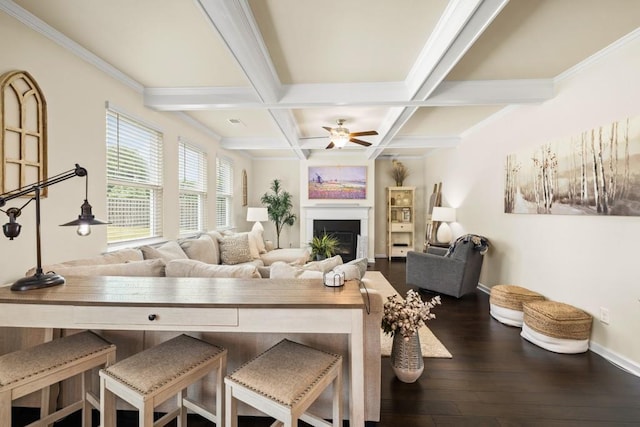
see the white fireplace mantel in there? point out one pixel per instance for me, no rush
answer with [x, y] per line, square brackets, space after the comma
[338, 212]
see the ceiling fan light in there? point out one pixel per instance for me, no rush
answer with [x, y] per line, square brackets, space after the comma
[340, 137]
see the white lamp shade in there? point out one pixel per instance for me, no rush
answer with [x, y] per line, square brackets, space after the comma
[441, 214]
[257, 214]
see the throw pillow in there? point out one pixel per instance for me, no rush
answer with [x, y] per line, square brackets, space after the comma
[167, 252]
[234, 249]
[193, 268]
[282, 270]
[326, 265]
[361, 264]
[201, 249]
[259, 232]
[351, 272]
[253, 244]
[149, 268]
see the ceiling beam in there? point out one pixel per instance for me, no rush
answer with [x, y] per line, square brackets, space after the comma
[481, 92]
[234, 22]
[459, 27]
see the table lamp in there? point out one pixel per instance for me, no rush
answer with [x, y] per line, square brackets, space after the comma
[12, 229]
[256, 215]
[443, 216]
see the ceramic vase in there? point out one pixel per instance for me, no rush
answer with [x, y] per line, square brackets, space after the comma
[406, 358]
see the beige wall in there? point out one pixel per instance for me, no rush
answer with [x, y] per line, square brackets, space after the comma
[76, 93]
[587, 261]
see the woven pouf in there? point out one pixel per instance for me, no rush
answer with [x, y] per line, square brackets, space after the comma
[506, 303]
[556, 327]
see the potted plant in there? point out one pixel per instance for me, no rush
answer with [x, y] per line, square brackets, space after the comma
[279, 207]
[324, 246]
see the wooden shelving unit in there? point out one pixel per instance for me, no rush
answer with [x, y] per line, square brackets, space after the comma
[400, 221]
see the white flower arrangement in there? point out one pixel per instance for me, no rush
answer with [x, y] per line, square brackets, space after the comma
[406, 316]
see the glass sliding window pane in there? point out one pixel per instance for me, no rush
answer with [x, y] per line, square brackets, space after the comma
[192, 176]
[224, 192]
[134, 179]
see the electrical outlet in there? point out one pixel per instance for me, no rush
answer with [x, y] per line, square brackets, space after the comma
[604, 315]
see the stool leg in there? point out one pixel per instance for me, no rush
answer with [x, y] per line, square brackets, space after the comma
[107, 405]
[231, 410]
[145, 415]
[182, 415]
[220, 394]
[337, 399]
[85, 382]
[5, 406]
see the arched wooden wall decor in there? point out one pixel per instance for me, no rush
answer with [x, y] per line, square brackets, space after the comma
[244, 188]
[23, 136]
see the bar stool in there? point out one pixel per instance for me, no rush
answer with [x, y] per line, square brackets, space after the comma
[283, 382]
[25, 371]
[152, 376]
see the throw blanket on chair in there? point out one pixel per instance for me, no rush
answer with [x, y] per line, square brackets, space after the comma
[480, 243]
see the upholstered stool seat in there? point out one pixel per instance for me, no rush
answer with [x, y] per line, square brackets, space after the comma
[556, 327]
[284, 381]
[152, 376]
[506, 303]
[25, 371]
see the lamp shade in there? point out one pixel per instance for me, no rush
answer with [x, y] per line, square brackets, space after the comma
[257, 214]
[441, 214]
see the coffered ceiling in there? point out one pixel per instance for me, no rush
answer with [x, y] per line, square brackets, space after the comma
[422, 73]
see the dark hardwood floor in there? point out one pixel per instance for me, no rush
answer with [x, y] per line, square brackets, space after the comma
[495, 378]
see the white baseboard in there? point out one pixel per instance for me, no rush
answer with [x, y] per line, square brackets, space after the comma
[615, 359]
[612, 357]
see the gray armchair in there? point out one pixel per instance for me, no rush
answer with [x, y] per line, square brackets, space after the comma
[453, 272]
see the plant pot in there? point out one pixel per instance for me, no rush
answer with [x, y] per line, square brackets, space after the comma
[406, 358]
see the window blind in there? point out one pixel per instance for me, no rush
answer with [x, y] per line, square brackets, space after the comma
[224, 192]
[192, 176]
[134, 179]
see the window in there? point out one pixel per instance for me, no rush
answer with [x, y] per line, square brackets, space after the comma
[134, 179]
[224, 192]
[192, 178]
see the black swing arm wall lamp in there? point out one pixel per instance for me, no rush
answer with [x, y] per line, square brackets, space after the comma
[12, 228]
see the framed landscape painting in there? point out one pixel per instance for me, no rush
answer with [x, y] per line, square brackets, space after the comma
[596, 172]
[337, 182]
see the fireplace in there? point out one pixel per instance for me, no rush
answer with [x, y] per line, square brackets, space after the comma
[346, 231]
[340, 213]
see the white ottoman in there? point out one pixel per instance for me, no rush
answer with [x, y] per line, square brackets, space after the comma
[556, 327]
[506, 303]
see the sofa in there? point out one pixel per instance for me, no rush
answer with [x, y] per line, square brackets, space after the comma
[216, 255]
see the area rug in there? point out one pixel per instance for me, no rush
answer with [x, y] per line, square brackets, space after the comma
[431, 346]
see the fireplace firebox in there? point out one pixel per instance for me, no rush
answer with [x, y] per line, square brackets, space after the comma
[346, 231]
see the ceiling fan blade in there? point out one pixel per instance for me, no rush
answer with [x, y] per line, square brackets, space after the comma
[331, 145]
[365, 133]
[357, 141]
[328, 129]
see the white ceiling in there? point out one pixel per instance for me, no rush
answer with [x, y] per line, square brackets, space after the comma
[420, 72]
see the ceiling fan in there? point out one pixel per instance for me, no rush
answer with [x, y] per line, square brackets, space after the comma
[341, 135]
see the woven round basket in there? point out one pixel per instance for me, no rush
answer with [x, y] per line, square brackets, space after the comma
[512, 296]
[557, 320]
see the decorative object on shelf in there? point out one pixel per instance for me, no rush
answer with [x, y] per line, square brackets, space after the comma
[406, 215]
[324, 246]
[279, 207]
[401, 319]
[12, 228]
[337, 182]
[257, 215]
[23, 131]
[399, 172]
[443, 216]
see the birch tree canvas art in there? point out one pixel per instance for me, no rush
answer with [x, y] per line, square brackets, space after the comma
[594, 173]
